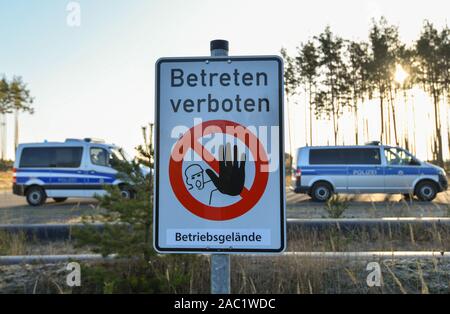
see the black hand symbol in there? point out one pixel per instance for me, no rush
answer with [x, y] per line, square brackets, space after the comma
[231, 177]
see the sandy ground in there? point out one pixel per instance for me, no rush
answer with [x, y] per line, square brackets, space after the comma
[15, 210]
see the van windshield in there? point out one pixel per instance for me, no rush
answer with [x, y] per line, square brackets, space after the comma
[117, 155]
[398, 156]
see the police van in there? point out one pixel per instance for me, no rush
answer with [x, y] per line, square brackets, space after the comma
[323, 171]
[59, 170]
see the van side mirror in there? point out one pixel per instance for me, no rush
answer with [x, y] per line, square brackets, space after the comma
[414, 162]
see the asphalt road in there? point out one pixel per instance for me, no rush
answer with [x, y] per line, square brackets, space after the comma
[15, 210]
[370, 206]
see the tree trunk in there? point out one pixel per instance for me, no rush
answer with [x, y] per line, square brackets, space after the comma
[387, 122]
[310, 116]
[306, 119]
[16, 131]
[355, 111]
[438, 141]
[2, 136]
[414, 125]
[382, 119]
[446, 101]
[335, 127]
[393, 117]
[289, 129]
[406, 139]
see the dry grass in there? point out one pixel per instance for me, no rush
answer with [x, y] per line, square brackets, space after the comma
[312, 275]
[268, 274]
[406, 237]
[18, 244]
[262, 274]
[12, 244]
[5, 180]
[303, 275]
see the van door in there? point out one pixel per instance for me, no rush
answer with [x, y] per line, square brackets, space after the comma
[401, 170]
[99, 172]
[365, 173]
[326, 164]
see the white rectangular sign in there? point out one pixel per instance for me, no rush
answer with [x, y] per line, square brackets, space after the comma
[219, 168]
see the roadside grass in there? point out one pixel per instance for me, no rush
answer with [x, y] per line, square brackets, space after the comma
[447, 167]
[315, 275]
[6, 165]
[17, 244]
[249, 274]
[408, 237]
[12, 244]
[336, 206]
[5, 180]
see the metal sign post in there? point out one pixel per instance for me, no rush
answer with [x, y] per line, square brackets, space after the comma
[220, 263]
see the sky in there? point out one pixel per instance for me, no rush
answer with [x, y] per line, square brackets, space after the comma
[97, 79]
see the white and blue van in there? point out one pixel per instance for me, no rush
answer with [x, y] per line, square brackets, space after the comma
[59, 170]
[323, 171]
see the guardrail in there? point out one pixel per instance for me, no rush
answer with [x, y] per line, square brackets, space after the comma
[370, 225]
[52, 259]
[375, 255]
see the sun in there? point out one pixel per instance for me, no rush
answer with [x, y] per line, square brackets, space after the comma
[400, 74]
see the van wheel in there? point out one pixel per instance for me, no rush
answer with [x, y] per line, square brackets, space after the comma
[36, 196]
[60, 199]
[126, 192]
[321, 192]
[426, 191]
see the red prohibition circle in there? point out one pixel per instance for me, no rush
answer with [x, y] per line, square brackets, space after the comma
[249, 197]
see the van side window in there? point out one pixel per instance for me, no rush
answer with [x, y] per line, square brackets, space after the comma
[99, 156]
[361, 156]
[68, 157]
[51, 157]
[345, 156]
[326, 156]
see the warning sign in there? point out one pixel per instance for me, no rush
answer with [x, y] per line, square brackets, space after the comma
[219, 168]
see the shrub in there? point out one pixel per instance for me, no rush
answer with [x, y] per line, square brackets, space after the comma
[6, 165]
[128, 233]
[336, 206]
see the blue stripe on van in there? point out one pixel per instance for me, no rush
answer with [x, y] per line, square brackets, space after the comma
[82, 176]
[383, 170]
[23, 180]
[337, 171]
[66, 180]
[83, 172]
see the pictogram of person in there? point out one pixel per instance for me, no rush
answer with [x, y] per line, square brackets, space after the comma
[219, 189]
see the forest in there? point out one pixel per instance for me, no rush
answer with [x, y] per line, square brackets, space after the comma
[373, 85]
